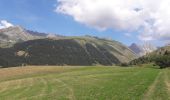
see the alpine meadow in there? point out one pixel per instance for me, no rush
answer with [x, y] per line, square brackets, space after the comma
[84, 83]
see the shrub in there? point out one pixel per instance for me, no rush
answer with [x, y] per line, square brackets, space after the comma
[163, 61]
[124, 64]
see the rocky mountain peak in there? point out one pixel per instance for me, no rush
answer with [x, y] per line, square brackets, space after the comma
[142, 49]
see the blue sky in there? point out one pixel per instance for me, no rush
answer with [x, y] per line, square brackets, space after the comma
[40, 15]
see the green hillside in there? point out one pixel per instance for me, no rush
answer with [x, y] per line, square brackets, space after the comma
[67, 51]
[160, 57]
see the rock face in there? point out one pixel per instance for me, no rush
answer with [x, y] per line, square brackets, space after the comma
[148, 48]
[69, 51]
[141, 50]
[15, 34]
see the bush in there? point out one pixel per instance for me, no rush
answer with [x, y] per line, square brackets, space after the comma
[163, 61]
[124, 64]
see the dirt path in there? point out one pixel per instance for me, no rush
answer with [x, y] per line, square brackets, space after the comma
[160, 88]
[150, 91]
[167, 82]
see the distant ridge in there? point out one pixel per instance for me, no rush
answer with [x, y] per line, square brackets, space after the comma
[15, 34]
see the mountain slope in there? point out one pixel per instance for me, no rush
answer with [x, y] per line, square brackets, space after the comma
[69, 51]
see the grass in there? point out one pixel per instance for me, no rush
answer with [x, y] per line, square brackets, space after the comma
[84, 83]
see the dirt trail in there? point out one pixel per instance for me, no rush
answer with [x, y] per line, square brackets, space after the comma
[150, 91]
[167, 82]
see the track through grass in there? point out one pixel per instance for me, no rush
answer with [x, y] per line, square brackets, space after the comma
[84, 83]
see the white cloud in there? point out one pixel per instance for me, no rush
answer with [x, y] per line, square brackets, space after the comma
[149, 18]
[5, 24]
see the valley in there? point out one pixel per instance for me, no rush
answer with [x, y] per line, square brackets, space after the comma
[84, 50]
[41, 66]
[84, 83]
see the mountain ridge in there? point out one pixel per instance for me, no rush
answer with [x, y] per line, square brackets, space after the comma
[25, 47]
[14, 34]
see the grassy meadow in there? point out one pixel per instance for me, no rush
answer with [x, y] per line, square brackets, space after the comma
[84, 83]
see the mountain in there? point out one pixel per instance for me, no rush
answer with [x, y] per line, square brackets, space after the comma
[19, 46]
[68, 51]
[141, 50]
[14, 34]
[136, 49]
[161, 57]
[148, 47]
[160, 52]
